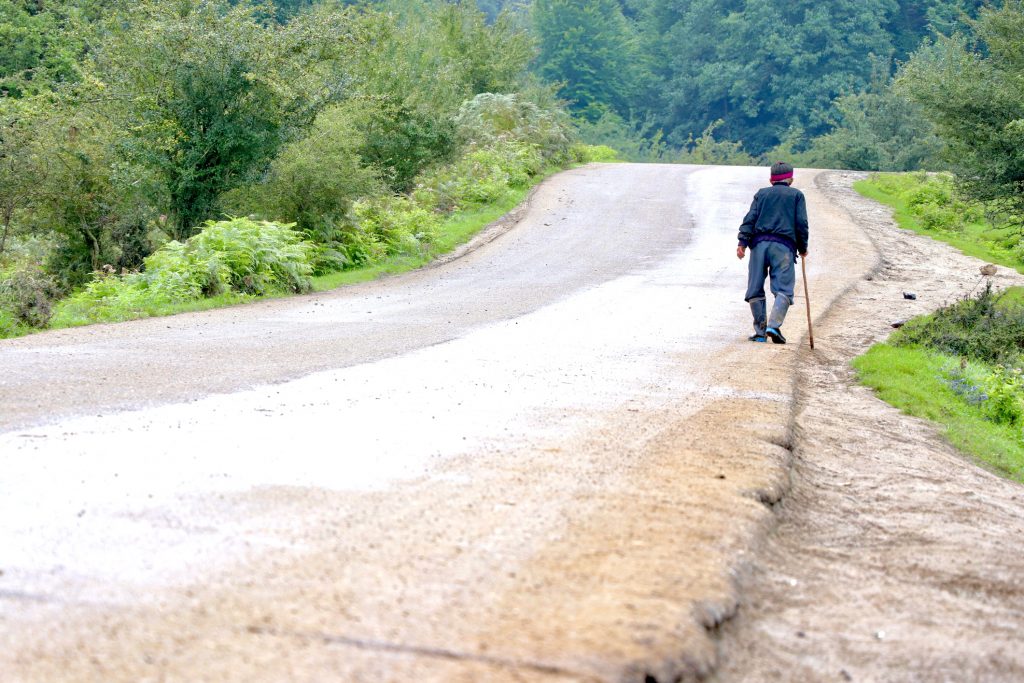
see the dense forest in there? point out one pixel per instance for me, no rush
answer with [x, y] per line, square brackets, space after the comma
[772, 73]
[129, 130]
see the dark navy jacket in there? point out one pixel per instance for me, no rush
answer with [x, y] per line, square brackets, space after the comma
[778, 214]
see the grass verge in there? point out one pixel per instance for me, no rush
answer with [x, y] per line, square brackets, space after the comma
[920, 383]
[960, 367]
[926, 204]
[457, 229]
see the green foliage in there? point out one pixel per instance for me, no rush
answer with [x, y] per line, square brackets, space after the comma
[26, 296]
[932, 204]
[878, 130]
[248, 257]
[633, 141]
[942, 389]
[708, 150]
[981, 328]
[394, 225]
[760, 67]
[971, 89]
[205, 93]
[315, 179]
[491, 119]
[1003, 392]
[765, 69]
[961, 366]
[82, 197]
[38, 49]
[401, 141]
[236, 257]
[432, 56]
[419, 63]
[9, 325]
[588, 47]
[23, 166]
[585, 154]
[481, 176]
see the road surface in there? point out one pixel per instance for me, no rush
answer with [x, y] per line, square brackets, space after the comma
[542, 461]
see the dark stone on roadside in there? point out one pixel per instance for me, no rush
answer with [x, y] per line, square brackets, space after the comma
[989, 269]
[909, 295]
[898, 324]
[845, 675]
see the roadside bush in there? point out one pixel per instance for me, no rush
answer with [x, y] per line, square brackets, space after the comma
[1005, 391]
[249, 257]
[481, 176]
[490, 119]
[933, 199]
[401, 140]
[585, 154]
[237, 256]
[27, 295]
[9, 325]
[393, 225]
[984, 328]
[314, 181]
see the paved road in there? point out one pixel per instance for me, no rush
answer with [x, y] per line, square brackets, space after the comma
[543, 461]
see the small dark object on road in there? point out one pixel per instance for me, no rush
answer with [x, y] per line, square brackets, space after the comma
[909, 295]
[988, 270]
[898, 324]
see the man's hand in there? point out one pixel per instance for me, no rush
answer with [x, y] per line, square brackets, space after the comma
[741, 252]
[803, 254]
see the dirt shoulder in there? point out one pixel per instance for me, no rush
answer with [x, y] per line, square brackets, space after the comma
[894, 558]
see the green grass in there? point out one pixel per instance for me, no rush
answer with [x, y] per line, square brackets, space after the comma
[69, 317]
[917, 382]
[976, 238]
[914, 372]
[457, 229]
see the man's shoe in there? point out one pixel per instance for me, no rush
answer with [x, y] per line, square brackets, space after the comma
[758, 338]
[776, 335]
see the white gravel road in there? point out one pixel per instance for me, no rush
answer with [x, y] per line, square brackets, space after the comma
[544, 460]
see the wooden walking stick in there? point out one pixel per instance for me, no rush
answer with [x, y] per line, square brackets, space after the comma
[807, 299]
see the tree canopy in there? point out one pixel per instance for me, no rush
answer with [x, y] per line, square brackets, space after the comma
[971, 88]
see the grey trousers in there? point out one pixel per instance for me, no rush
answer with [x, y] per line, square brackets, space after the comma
[775, 261]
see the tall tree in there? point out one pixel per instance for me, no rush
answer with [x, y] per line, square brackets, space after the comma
[971, 89]
[588, 46]
[206, 93]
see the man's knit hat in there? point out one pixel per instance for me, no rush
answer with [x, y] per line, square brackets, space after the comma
[781, 171]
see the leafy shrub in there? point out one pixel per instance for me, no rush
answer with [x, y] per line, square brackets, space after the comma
[585, 154]
[935, 217]
[401, 140]
[249, 257]
[481, 176]
[983, 328]
[490, 119]
[27, 295]
[237, 256]
[1005, 390]
[930, 191]
[9, 325]
[314, 181]
[394, 225]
